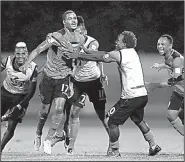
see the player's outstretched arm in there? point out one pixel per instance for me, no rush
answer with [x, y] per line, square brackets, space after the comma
[3, 63]
[160, 66]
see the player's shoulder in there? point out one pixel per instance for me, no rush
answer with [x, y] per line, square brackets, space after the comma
[57, 34]
[33, 65]
[91, 38]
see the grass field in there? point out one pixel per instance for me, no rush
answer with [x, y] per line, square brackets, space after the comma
[92, 141]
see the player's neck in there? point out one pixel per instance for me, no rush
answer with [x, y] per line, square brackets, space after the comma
[169, 53]
[16, 66]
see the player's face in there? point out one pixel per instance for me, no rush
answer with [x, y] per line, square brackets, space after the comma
[71, 21]
[163, 45]
[119, 43]
[21, 55]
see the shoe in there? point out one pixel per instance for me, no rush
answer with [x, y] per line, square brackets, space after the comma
[56, 139]
[154, 150]
[69, 151]
[109, 150]
[37, 142]
[47, 146]
[114, 153]
[66, 143]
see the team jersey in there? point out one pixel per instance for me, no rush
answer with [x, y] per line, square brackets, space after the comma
[17, 82]
[131, 74]
[179, 87]
[57, 65]
[87, 70]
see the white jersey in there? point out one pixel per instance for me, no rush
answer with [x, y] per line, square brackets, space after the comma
[16, 82]
[87, 70]
[131, 74]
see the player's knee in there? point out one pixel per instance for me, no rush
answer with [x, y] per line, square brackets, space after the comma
[59, 104]
[100, 105]
[172, 115]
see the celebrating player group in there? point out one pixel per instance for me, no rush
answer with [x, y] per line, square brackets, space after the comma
[74, 70]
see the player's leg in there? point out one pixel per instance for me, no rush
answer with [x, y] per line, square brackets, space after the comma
[173, 112]
[60, 96]
[181, 113]
[62, 132]
[116, 116]
[137, 118]
[13, 120]
[74, 122]
[46, 95]
[9, 133]
[97, 96]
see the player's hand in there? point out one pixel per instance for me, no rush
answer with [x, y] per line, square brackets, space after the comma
[151, 86]
[156, 66]
[15, 112]
[104, 79]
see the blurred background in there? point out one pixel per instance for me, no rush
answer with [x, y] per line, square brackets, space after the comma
[31, 21]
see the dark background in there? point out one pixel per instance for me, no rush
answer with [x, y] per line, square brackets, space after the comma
[30, 21]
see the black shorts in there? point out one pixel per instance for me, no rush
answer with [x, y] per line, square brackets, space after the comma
[176, 101]
[125, 108]
[53, 88]
[93, 89]
[9, 100]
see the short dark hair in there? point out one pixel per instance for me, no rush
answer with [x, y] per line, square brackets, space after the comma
[65, 13]
[130, 39]
[169, 37]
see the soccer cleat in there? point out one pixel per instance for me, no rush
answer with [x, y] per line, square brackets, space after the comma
[109, 150]
[153, 151]
[37, 142]
[114, 153]
[47, 146]
[56, 139]
[69, 151]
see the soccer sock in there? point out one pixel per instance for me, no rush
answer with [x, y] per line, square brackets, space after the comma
[177, 124]
[41, 123]
[57, 119]
[9, 133]
[149, 137]
[74, 124]
[114, 145]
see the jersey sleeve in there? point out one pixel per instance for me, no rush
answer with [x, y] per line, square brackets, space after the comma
[93, 46]
[52, 38]
[3, 63]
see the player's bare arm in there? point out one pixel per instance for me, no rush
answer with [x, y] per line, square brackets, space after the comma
[160, 66]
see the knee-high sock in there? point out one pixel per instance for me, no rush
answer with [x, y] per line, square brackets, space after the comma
[9, 133]
[57, 119]
[41, 123]
[177, 124]
[74, 127]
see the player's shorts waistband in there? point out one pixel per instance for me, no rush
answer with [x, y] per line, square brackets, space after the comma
[136, 87]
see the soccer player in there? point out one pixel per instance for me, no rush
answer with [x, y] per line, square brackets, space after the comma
[54, 85]
[87, 80]
[165, 48]
[17, 90]
[134, 94]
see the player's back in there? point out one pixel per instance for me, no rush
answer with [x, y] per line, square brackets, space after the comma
[132, 78]
[87, 70]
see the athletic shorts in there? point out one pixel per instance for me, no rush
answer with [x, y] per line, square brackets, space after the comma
[93, 89]
[125, 108]
[176, 101]
[9, 100]
[53, 88]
